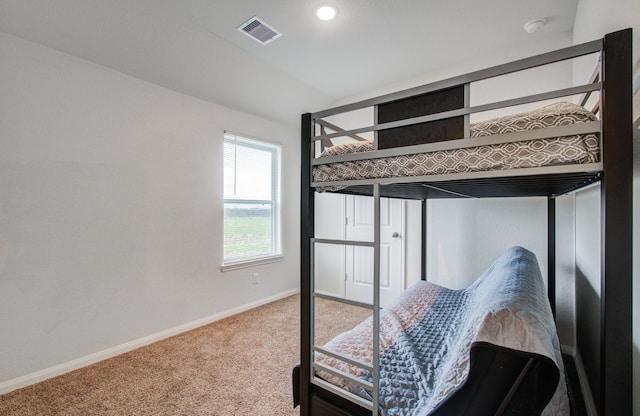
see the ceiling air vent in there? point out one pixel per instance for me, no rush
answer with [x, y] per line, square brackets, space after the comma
[258, 30]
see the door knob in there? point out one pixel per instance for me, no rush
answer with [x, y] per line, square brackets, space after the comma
[395, 235]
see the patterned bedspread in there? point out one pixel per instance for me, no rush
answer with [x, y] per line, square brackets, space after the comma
[427, 333]
[576, 149]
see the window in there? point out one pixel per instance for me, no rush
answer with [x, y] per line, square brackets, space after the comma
[251, 209]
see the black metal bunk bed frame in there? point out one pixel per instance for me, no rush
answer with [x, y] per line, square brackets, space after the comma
[615, 178]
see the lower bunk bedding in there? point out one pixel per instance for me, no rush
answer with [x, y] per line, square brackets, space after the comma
[489, 349]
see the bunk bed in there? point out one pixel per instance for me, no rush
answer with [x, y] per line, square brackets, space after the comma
[425, 146]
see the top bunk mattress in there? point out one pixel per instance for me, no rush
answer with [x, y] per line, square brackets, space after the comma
[553, 151]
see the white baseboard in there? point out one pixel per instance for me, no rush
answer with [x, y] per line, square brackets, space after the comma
[584, 385]
[57, 370]
[569, 350]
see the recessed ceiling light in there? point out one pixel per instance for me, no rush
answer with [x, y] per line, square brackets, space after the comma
[326, 12]
[534, 25]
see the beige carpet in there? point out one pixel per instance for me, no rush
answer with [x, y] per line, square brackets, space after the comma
[237, 366]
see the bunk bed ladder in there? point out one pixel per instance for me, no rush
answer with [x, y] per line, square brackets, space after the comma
[308, 242]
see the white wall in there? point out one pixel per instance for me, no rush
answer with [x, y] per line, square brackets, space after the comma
[595, 18]
[565, 271]
[111, 211]
[465, 236]
[487, 90]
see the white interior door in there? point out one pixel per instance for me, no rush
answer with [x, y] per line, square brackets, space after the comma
[359, 260]
[329, 260]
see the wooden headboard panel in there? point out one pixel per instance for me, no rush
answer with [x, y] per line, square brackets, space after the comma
[421, 105]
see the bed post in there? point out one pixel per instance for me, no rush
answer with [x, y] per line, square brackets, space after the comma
[423, 248]
[551, 253]
[306, 232]
[616, 250]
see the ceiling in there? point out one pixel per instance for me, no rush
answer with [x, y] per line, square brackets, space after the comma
[192, 46]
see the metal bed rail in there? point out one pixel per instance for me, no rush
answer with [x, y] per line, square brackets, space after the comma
[373, 367]
[495, 71]
[566, 92]
[582, 92]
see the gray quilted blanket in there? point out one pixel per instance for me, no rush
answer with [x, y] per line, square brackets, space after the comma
[427, 333]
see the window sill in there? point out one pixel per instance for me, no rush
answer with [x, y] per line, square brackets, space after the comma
[241, 264]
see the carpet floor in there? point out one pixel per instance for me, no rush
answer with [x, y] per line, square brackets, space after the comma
[240, 365]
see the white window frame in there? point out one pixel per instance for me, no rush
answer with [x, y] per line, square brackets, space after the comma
[276, 255]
